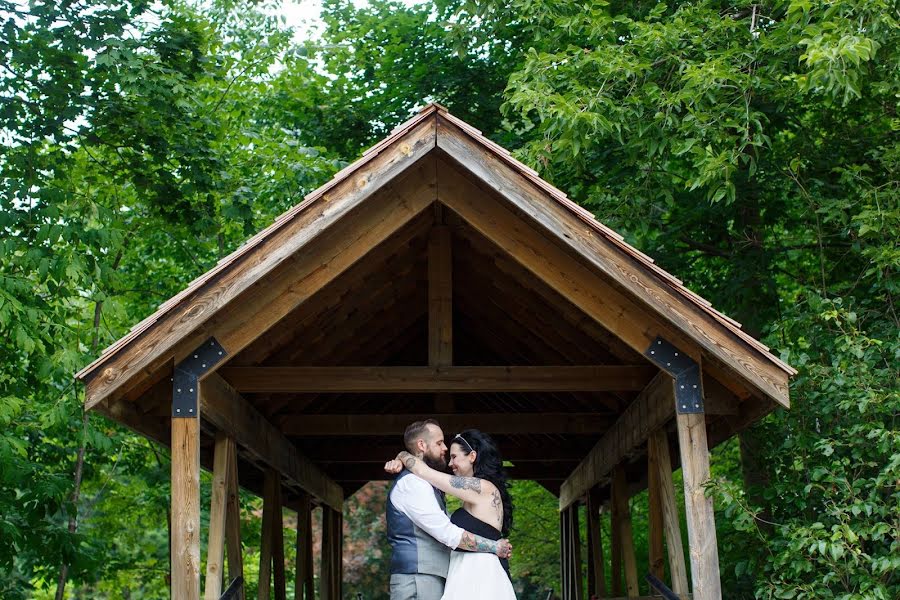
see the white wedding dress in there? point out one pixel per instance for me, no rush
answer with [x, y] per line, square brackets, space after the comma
[476, 575]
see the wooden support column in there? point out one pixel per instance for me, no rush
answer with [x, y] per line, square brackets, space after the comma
[620, 496]
[658, 448]
[215, 554]
[185, 510]
[271, 556]
[615, 548]
[701, 522]
[596, 571]
[440, 304]
[571, 580]
[655, 559]
[690, 419]
[304, 585]
[233, 523]
[332, 554]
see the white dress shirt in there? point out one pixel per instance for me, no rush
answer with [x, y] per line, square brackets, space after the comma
[414, 497]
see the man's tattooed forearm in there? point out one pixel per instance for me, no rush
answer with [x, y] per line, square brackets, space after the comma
[466, 483]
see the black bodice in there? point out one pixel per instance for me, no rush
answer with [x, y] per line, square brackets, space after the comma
[463, 518]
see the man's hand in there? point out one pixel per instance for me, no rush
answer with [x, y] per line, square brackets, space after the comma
[504, 548]
[393, 466]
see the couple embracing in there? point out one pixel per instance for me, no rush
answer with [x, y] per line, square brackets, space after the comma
[434, 556]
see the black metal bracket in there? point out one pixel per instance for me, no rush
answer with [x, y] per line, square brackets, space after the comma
[685, 371]
[186, 379]
[660, 587]
[232, 592]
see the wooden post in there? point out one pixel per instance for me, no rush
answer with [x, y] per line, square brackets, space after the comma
[332, 542]
[185, 550]
[440, 305]
[659, 451]
[233, 522]
[620, 494]
[596, 573]
[701, 523]
[571, 580]
[615, 543]
[655, 516]
[303, 585]
[271, 557]
[215, 554]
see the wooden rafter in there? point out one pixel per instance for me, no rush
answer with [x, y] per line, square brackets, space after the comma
[438, 379]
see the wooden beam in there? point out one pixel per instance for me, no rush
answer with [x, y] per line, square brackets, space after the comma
[222, 406]
[332, 542]
[620, 497]
[335, 231]
[336, 450]
[185, 510]
[701, 522]
[493, 423]
[656, 296]
[215, 547]
[658, 450]
[297, 380]
[649, 411]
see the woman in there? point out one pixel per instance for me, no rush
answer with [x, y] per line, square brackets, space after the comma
[479, 481]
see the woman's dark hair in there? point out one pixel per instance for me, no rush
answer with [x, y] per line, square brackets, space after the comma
[488, 465]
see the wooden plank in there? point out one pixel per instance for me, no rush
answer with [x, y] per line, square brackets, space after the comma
[304, 583]
[692, 322]
[185, 510]
[335, 231]
[233, 522]
[615, 546]
[493, 423]
[332, 541]
[655, 560]
[620, 495]
[229, 412]
[297, 380]
[659, 449]
[215, 547]
[549, 471]
[701, 521]
[650, 410]
[336, 450]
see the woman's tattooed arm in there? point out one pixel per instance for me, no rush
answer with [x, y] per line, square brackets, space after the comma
[476, 543]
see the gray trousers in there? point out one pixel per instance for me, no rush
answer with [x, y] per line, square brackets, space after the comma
[416, 587]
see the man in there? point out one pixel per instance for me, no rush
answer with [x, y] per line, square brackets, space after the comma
[419, 530]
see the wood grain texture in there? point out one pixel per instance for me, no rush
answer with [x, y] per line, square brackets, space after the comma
[463, 379]
[643, 287]
[215, 546]
[596, 567]
[655, 559]
[232, 414]
[185, 553]
[658, 448]
[650, 410]
[701, 523]
[325, 223]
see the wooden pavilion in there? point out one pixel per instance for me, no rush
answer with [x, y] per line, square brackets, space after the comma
[437, 276]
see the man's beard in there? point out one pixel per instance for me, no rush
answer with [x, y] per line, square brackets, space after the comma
[435, 463]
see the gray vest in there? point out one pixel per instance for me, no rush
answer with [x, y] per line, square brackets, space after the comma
[412, 549]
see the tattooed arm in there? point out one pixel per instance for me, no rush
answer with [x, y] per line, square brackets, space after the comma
[476, 543]
[467, 489]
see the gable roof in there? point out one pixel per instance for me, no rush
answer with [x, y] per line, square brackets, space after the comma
[377, 167]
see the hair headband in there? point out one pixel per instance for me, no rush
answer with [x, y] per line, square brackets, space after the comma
[460, 437]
